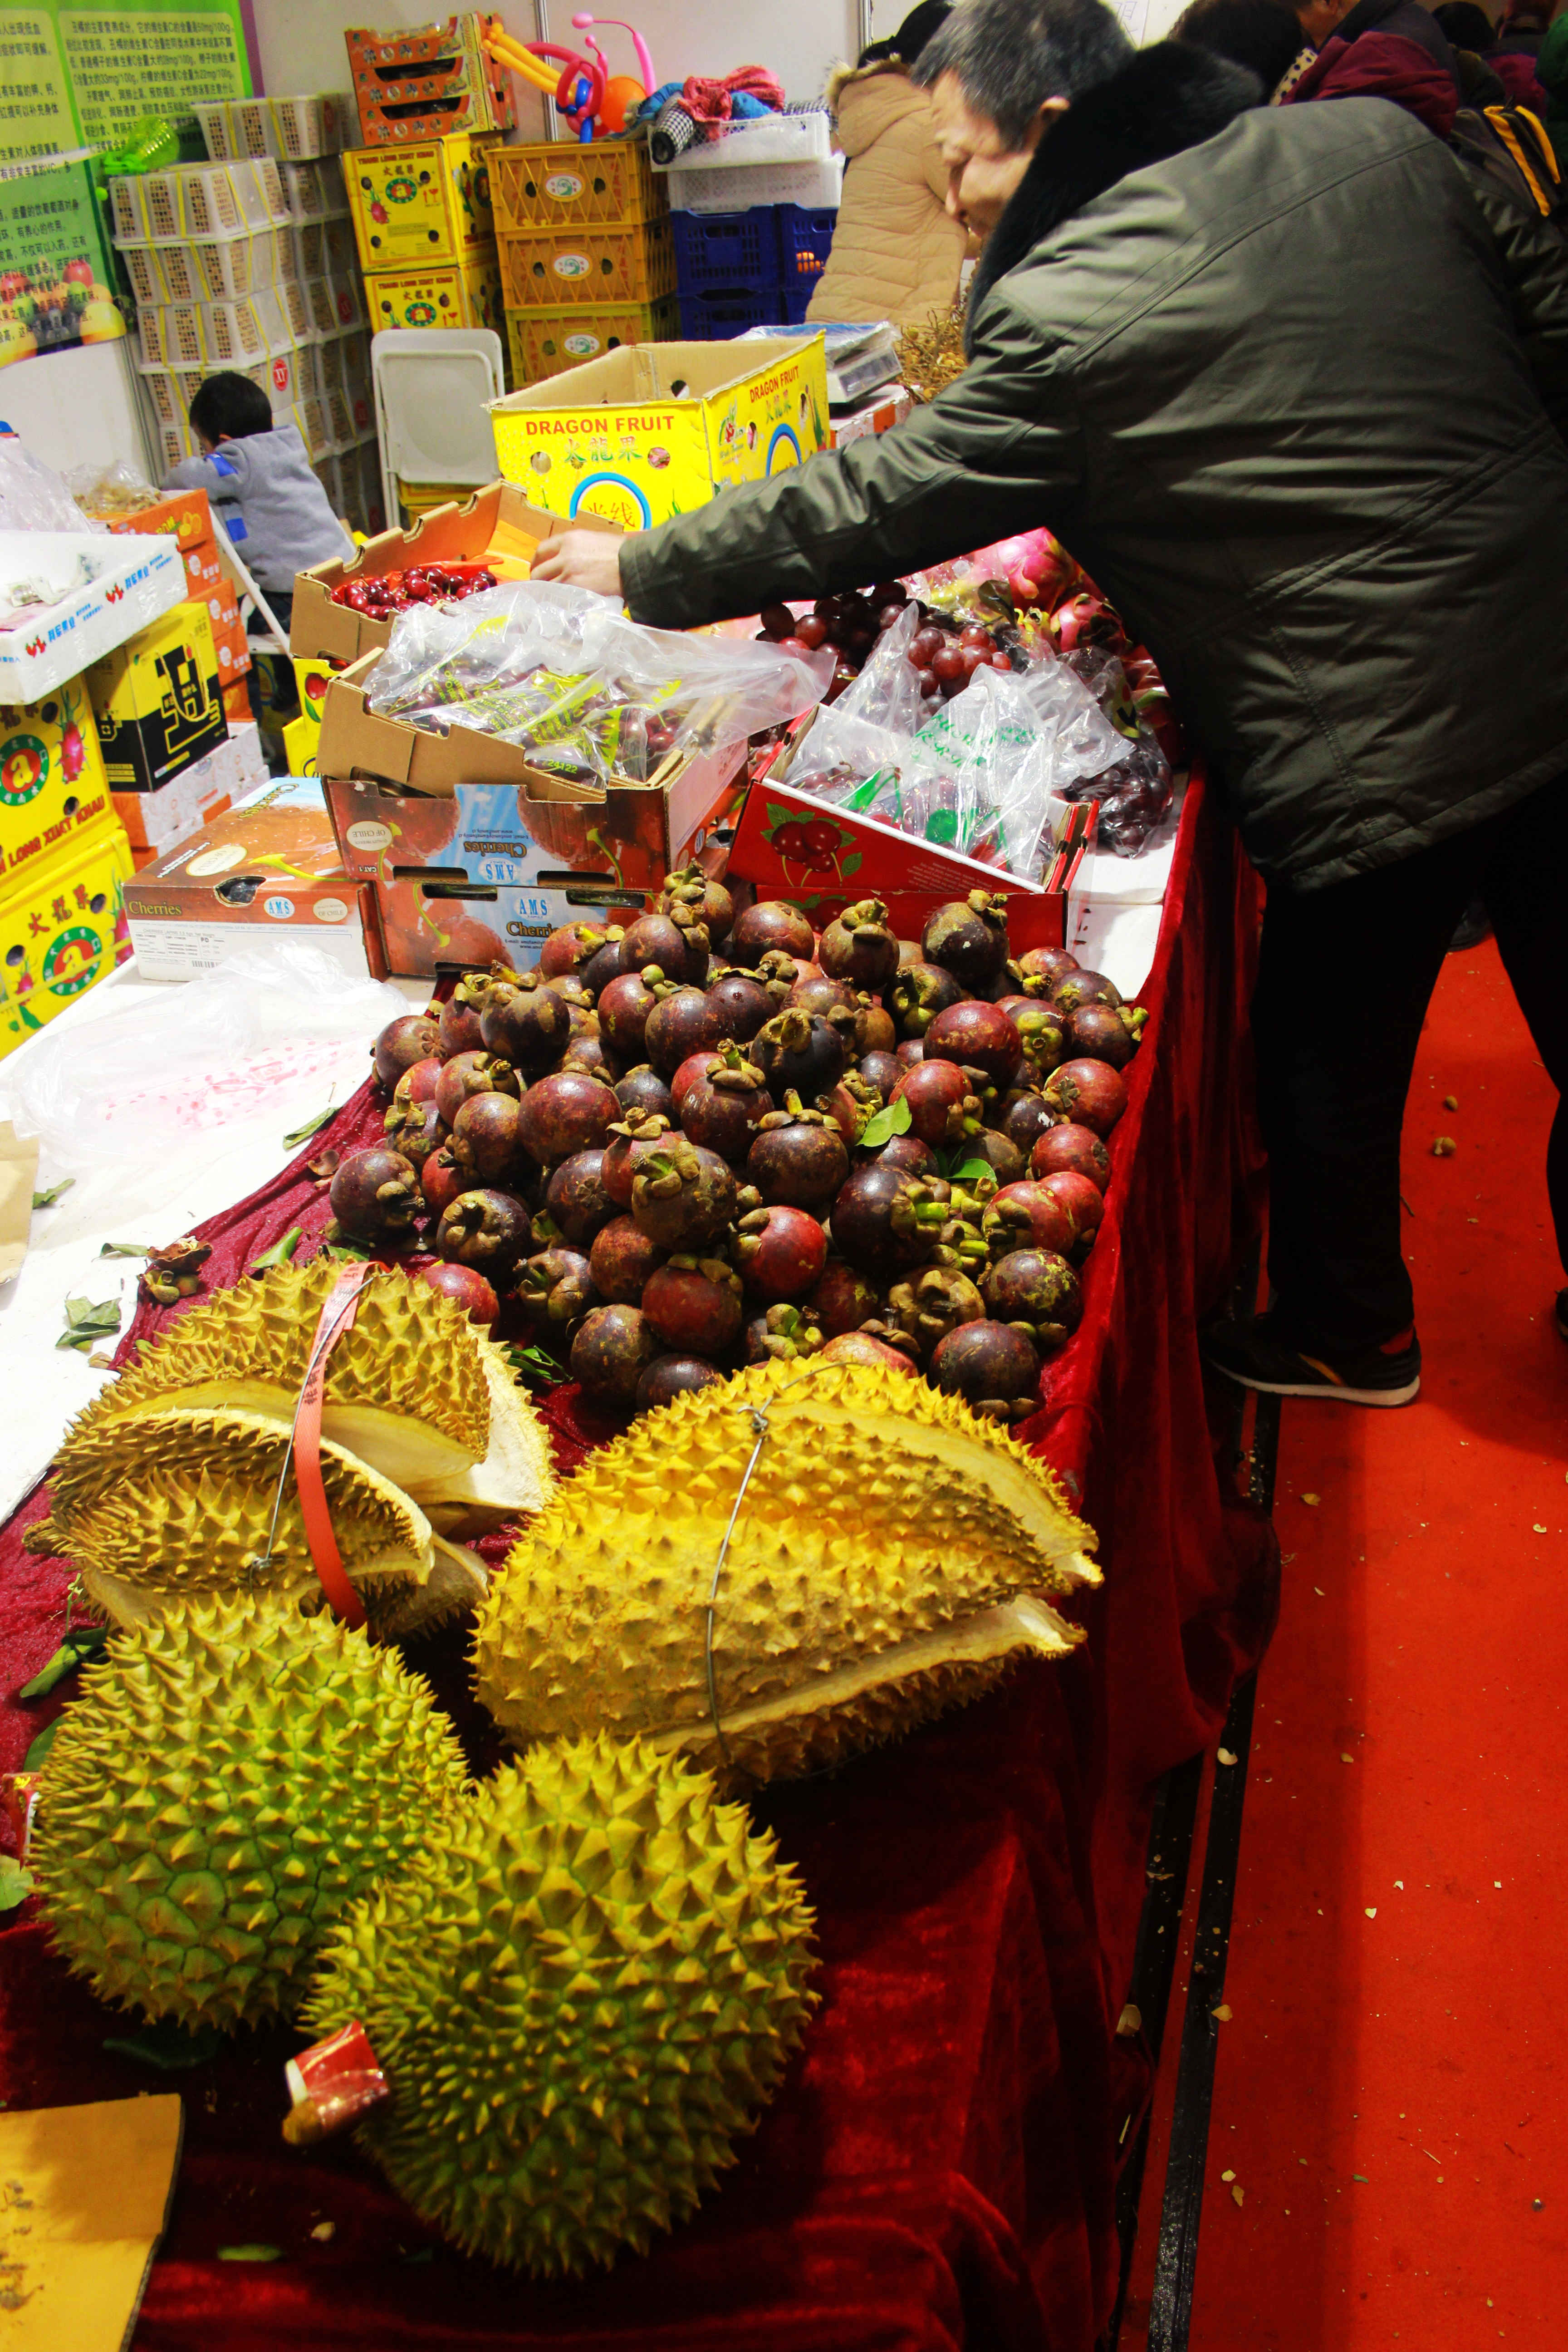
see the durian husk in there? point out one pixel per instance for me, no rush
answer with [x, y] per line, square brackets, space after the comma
[580, 1996]
[893, 1555]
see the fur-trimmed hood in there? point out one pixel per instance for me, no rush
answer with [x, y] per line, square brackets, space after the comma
[843, 76]
[1166, 99]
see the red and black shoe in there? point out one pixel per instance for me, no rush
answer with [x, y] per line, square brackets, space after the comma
[1253, 1355]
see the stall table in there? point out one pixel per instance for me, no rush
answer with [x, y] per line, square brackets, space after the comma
[940, 2166]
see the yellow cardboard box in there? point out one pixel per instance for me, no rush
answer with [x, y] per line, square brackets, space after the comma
[52, 784]
[158, 700]
[62, 927]
[413, 205]
[438, 294]
[301, 741]
[616, 439]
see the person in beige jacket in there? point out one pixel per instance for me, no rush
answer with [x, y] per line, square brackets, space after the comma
[896, 255]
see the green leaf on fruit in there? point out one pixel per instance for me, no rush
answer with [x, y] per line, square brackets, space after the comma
[170, 2047]
[312, 1126]
[281, 1251]
[970, 1170]
[15, 1883]
[537, 1366]
[126, 1249]
[37, 1754]
[86, 1643]
[47, 1200]
[893, 1118]
[347, 1248]
[87, 1324]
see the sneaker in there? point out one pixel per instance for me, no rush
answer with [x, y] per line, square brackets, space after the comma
[1252, 1354]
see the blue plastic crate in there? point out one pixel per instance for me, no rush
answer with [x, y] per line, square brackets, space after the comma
[728, 310]
[794, 304]
[806, 239]
[718, 251]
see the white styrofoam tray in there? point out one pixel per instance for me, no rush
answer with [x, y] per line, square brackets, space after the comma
[136, 580]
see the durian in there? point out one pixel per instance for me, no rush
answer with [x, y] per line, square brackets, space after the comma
[886, 1562]
[411, 1387]
[579, 1997]
[232, 1775]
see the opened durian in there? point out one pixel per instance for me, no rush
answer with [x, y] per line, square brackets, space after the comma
[579, 1997]
[411, 1387]
[886, 1562]
[232, 1775]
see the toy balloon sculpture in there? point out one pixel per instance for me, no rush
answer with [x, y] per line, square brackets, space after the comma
[594, 102]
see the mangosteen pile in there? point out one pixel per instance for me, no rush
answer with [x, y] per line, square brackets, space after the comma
[719, 1136]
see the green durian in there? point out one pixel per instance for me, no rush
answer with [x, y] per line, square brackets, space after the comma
[232, 1775]
[888, 1560]
[579, 1997]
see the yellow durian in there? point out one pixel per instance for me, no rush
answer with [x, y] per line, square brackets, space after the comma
[889, 1558]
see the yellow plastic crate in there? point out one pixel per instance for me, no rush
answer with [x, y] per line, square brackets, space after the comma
[561, 185]
[592, 267]
[450, 295]
[541, 343]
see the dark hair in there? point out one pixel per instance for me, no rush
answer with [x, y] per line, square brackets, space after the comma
[1264, 34]
[1010, 55]
[911, 35]
[230, 403]
[1465, 26]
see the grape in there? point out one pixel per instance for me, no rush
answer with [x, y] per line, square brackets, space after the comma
[777, 621]
[1004, 662]
[927, 679]
[948, 666]
[796, 646]
[887, 615]
[925, 643]
[971, 658]
[829, 609]
[891, 592]
[857, 641]
[812, 632]
[978, 640]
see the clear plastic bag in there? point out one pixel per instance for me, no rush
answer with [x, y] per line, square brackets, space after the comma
[1135, 787]
[564, 674]
[32, 497]
[888, 691]
[109, 494]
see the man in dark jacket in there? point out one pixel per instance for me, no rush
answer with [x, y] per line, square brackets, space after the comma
[1293, 389]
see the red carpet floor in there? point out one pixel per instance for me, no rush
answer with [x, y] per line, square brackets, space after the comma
[1390, 2095]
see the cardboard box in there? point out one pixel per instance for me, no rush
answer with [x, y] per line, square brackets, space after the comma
[157, 700]
[132, 581]
[427, 80]
[436, 294]
[613, 439]
[311, 679]
[237, 703]
[413, 205]
[52, 785]
[271, 867]
[62, 928]
[155, 820]
[301, 738]
[496, 526]
[185, 516]
[879, 415]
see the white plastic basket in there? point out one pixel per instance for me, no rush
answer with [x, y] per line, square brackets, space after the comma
[310, 417]
[213, 116]
[313, 190]
[173, 442]
[771, 139]
[170, 335]
[816, 184]
[294, 307]
[142, 269]
[231, 267]
[340, 420]
[335, 305]
[307, 126]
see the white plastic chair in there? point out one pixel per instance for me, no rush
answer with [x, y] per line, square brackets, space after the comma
[245, 591]
[433, 385]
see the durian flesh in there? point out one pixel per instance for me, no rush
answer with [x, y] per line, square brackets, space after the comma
[888, 1560]
[231, 1777]
[579, 1999]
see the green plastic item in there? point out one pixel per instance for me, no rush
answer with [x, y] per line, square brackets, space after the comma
[154, 145]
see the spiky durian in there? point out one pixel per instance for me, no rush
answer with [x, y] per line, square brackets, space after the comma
[231, 1777]
[885, 1563]
[411, 1386]
[579, 1998]
[153, 1508]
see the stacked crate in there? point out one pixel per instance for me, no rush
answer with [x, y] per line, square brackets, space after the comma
[752, 237]
[426, 231]
[587, 253]
[249, 265]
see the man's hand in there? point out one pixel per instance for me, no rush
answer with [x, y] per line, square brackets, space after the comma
[582, 559]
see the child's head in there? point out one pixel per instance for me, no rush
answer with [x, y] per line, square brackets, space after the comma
[230, 407]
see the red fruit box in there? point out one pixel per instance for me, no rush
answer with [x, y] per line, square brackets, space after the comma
[789, 846]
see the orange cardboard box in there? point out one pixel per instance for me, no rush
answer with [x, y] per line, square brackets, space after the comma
[236, 701]
[185, 514]
[204, 572]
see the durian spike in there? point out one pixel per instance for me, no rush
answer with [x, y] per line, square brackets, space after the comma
[888, 1558]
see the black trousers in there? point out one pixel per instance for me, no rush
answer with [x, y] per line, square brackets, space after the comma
[1344, 978]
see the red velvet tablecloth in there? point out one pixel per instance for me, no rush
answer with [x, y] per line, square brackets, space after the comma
[938, 2168]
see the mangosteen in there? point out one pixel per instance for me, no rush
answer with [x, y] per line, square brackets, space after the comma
[418, 1083]
[565, 1113]
[1042, 1033]
[918, 992]
[1023, 1116]
[375, 1195]
[1072, 1147]
[568, 948]
[682, 1196]
[696, 1065]
[783, 1335]
[708, 900]
[842, 1300]
[875, 1031]
[1037, 1286]
[860, 1348]
[771, 924]
[882, 1070]
[459, 1026]
[741, 1004]
[944, 1107]
[817, 993]
[976, 1036]
[1025, 1215]
[526, 1021]
[860, 945]
[668, 1377]
[604, 963]
[968, 937]
[579, 1001]
[624, 1006]
[473, 1073]
[642, 1092]
[1101, 1034]
[680, 953]
[555, 1290]
[680, 1025]
[588, 1056]
[694, 1304]
[908, 1153]
[910, 1053]
[486, 1138]
[1043, 964]
[798, 1053]
[1082, 987]
[441, 1180]
[1091, 1093]
[1084, 1202]
[621, 1259]
[797, 1158]
[929, 1304]
[781, 974]
[1001, 1155]
[412, 1037]
[575, 1197]
[487, 1229]
[994, 1368]
[613, 1349]
[629, 1141]
[848, 1105]
[781, 1252]
[418, 1130]
[466, 1289]
[875, 1223]
[724, 1108]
